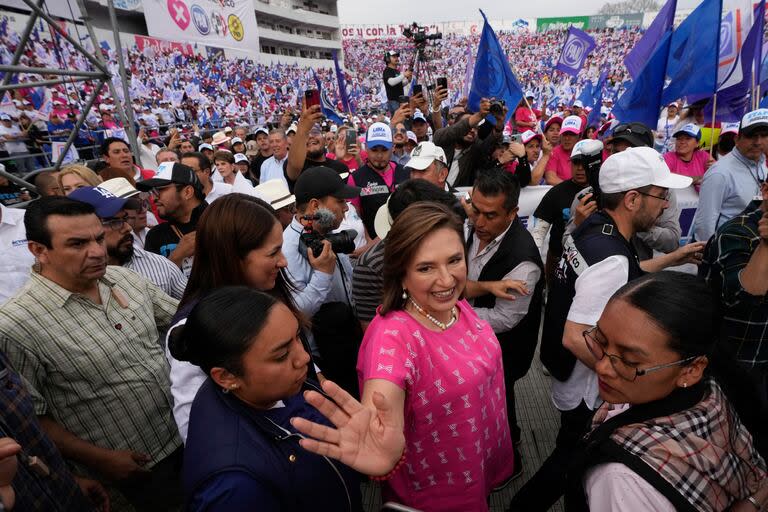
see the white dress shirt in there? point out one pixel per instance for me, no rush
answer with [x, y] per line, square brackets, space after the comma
[15, 259]
[505, 314]
[272, 169]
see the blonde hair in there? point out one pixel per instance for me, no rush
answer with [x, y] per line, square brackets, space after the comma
[87, 175]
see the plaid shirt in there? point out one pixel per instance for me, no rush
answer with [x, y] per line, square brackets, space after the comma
[98, 370]
[704, 452]
[55, 492]
[745, 316]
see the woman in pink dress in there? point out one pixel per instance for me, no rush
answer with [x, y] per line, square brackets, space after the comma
[433, 418]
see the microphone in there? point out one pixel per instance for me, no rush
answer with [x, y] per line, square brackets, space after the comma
[323, 219]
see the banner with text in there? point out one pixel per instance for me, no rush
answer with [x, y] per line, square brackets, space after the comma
[562, 23]
[616, 21]
[462, 28]
[223, 23]
[146, 44]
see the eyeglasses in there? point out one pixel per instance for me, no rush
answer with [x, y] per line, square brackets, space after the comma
[114, 223]
[156, 190]
[662, 198]
[625, 370]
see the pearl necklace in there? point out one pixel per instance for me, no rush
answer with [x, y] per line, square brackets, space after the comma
[441, 325]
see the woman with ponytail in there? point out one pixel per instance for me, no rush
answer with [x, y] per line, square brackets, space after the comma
[677, 429]
[242, 453]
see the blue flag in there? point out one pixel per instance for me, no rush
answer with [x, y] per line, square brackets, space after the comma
[493, 78]
[694, 53]
[325, 103]
[587, 96]
[733, 95]
[342, 84]
[641, 101]
[578, 45]
[593, 119]
[664, 21]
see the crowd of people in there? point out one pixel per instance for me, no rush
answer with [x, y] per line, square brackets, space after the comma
[273, 312]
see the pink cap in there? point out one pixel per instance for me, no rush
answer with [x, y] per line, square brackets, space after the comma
[571, 124]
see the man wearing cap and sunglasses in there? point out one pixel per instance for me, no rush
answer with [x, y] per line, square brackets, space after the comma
[180, 202]
[734, 180]
[597, 260]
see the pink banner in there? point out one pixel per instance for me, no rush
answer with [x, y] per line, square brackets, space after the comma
[143, 42]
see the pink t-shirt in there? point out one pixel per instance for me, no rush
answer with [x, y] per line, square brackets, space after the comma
[695, 167]
[456, 432]
[560, 163]
[525, 115]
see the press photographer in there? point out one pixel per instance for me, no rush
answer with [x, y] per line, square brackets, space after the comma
[394, 80]
[322, 272]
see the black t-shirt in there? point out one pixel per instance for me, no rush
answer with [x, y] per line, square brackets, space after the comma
[333, 164]
[256, 167]
[163, 238]
[393, 91]
[555, 208]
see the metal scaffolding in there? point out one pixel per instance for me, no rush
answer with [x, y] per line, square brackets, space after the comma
[102, 76]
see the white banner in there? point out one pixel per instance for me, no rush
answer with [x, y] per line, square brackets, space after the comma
[222, 23]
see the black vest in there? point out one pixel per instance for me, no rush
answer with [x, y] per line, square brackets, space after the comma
[375, 192]
[596, 239]
[516, 247]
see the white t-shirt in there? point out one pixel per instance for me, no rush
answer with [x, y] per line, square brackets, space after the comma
[593, 289]
[12, 146]
[15, 258]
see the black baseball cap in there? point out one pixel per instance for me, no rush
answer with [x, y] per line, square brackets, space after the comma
[318, 182]
[169, 173]
[637, 134]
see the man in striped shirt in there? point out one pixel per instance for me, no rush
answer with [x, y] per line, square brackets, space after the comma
[118, 237]
[85, 337]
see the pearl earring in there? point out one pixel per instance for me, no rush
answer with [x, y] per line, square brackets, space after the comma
[405, 294]
[685, 384]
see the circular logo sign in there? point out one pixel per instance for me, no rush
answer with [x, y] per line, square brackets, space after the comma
[200, 19]
[574, 52]
[235, 27]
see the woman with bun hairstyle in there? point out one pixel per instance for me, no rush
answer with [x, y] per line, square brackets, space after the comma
[242, 453]
[239, 241]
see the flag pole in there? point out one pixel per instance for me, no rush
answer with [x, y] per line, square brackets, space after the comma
[712, 129]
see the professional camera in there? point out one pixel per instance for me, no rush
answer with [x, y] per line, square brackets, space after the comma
[419, 34]
[497, 107]
[342, 242]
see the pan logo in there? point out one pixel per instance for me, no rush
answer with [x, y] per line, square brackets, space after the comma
[200, 19]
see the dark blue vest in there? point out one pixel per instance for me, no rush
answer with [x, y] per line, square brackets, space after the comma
[596, 239]
[225, 435]
[375, 192]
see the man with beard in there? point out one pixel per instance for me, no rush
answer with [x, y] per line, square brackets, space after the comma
[308, 147]
[378, 178]
[597, 260]
[180, 202]
[400, 155]
[118, 238]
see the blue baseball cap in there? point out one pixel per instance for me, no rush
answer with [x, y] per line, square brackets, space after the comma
[379, 134]
[690, 130]
[103, 201]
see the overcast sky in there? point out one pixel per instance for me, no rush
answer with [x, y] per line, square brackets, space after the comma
[425, 11]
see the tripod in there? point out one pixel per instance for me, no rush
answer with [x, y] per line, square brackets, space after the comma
[420, 68]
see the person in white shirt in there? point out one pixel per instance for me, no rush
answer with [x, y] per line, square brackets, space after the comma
[665, 128]
[15, 259]
[202, 167]
[12, 137]
[272, 168]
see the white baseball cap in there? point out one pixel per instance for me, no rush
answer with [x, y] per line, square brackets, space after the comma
[424, 154]
[276, 193]
[729, 128]
[528, 135]
[239, 157]
[417, 114]
[571, 124]
[754, 120]
[379, 134]
[578, 103]
[638, 167]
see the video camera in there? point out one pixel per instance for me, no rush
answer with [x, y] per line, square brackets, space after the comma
[590, 153]
[342, 242]
[418, 34]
